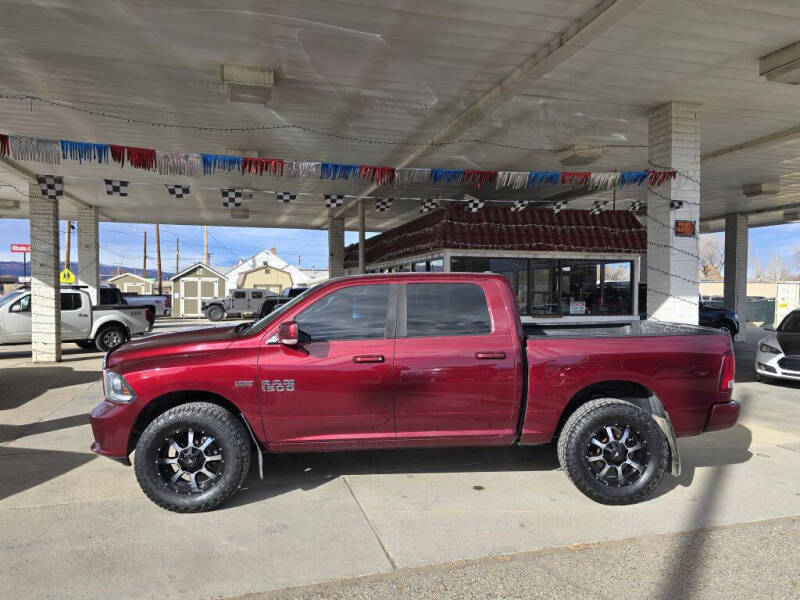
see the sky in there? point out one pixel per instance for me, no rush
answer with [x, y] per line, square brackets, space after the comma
[121, 243]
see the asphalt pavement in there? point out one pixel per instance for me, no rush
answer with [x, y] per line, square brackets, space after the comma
[467, 523]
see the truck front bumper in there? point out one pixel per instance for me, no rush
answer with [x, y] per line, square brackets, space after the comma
[722, 416]
[111, 426]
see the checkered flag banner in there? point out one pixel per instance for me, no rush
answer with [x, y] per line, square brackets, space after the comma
[177, 191]
[428, 204]
[558, 206]
[286, 196]
[675, 204]
[115, 187]
[636, 205]
[383, 204]
[475, 204]
[598, 206]
[519, 205]
[333, 200]
[51, 186]
[231, 197]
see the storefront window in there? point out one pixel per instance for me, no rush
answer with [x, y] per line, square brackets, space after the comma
[436, 265]
[418, 267]
[561, 287]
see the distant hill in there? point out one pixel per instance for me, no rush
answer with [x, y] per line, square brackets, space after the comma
[12, 267]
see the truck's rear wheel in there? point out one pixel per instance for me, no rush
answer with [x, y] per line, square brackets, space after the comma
[215, 312]
[193, 457]
[109, 337]
[613, 451]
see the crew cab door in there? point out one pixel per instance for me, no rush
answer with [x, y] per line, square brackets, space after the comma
[458, 376]
[17, 320]
[335, 387]
[76, 316]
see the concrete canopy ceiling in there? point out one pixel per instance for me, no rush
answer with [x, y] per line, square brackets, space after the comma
[538, 74]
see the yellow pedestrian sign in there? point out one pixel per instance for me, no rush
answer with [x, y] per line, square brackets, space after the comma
[67, 276]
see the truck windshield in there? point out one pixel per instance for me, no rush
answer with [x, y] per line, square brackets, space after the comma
[259, 325]
[10, 296]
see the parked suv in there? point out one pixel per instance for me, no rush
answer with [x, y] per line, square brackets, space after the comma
[238, 303]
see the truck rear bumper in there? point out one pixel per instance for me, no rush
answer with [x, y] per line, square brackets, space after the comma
[722, 416]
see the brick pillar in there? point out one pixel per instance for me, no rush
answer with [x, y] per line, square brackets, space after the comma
[88, 251]
[45, 297]
[736, 269]
[672, 264]
[336, 247]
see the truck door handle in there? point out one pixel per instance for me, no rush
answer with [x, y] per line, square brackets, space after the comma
[490, 355]
[369, 358]
[82, 315]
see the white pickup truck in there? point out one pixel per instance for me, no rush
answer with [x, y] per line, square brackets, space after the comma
[101, 327]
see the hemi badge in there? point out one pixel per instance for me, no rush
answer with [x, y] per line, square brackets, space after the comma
[242, 383]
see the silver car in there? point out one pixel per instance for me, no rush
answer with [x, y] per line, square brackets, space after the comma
[778, 354]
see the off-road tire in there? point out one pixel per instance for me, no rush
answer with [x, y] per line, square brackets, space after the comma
[101, 342]
[576, 435]
[215, 312]
[234, 441]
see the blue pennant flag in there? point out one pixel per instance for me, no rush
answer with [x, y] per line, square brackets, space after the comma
[337, 171]
[633, 177]
[539, 177]
[212, 162]
[84, 151]
[446, 175]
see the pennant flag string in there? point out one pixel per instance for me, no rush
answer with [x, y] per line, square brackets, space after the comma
[212, 162]
[174, 163]
[84, 151]
[35, 149]
[4, 147]
[377, 175]
[336, 171]
[517, 180]
[271, 166]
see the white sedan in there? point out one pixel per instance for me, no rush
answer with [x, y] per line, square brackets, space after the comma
[778, 354]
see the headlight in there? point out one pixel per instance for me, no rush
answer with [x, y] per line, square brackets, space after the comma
[117, 389]
[768, 349]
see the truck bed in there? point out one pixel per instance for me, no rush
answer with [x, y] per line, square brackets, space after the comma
[679, 364]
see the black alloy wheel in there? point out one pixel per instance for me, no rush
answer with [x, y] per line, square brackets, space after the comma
[193, 458]
[613, 451]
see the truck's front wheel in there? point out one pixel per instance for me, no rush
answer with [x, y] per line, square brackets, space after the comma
[193, 457]
[613, 451]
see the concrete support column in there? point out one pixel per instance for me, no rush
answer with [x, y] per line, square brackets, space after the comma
[336, 247]
[89, 251]
[736, 269]
[672, 263]
[362, 267]
[45, 287]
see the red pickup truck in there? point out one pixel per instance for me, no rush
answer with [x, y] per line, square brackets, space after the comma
[409, 360]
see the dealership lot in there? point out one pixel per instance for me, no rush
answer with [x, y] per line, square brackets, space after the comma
[77, 526]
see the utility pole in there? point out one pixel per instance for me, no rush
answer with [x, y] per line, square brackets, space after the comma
[144, 257]
[158, 259]
[177, 256]
[68, 244]
[205, 244]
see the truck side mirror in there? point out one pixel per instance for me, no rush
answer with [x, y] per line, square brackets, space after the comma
[288, 333]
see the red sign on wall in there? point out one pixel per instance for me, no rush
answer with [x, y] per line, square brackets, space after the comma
[20, 247]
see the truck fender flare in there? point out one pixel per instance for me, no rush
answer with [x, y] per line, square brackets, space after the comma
[655, 408]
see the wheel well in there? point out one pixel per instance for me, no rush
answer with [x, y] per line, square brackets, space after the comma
[163, 403]
[119, 324]
[604, 389]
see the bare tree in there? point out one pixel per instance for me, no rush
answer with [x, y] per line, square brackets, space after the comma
[777, 269]
[712, 257]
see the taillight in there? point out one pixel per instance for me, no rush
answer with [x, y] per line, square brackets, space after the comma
[727, 373]
[148, 316]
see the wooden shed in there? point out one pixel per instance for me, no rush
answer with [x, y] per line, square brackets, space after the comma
[132, 283]
[194, 285]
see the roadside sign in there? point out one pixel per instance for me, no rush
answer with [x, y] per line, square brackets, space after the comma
[20, 247]
[684, 228]
[67, 276]
[577, 308]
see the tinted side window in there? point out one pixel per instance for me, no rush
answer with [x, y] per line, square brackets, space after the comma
[443, 309]
[70, 301]
[257, 295]
[239, 294]
[353, 313]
